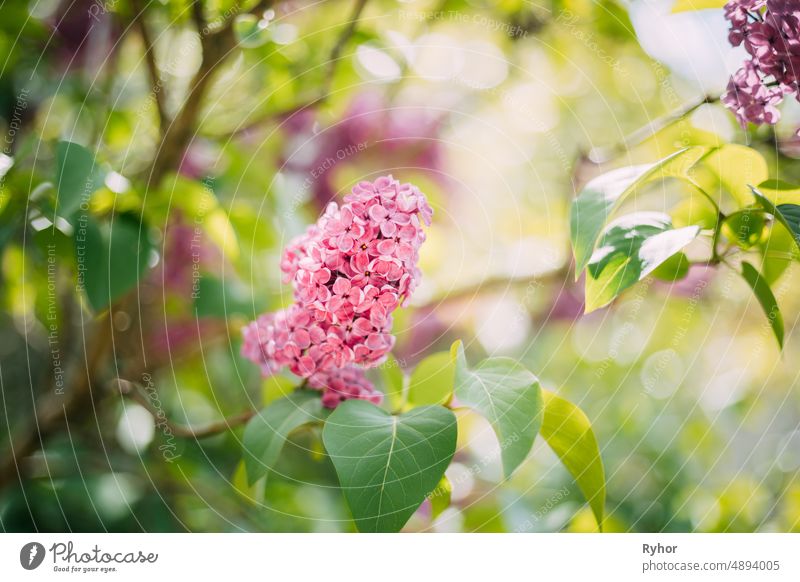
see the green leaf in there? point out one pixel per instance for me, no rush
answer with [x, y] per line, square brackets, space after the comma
[111, 257]
[632, 248]
[779, 250]
[673, 269]
[432, 380]
[596, 203]
[791, 218]
[694, 210]
[77, 177]
[766, 298]
[568, 432]
[394, 383]
[790, 222]
[387, 465]
[252, 493]
[508, 396]
[688, 5]
[214, 297]
[745, 227]
[736, 166]
[440, 497]
[266, 433]
[779, 192]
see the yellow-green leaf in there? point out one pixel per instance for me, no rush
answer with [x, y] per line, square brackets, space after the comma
[780, 192]
[602, 196]
[440, 497]
[568, 432]
[736, 166]
[432, 380]
[691, 5]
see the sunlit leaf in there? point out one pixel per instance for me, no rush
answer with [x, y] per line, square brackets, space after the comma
[432, 380]
[221, 232]
[632, 248]
[440, 497]
[252, 493]
[568, 431]
[508, 396]
[736, 166]
[688, 5]
[695, 210]
[594, 206]
[394, 382]
[744, 227]
[673, 269]
[779, 192]
[266, 433]
[766, 299]
[779, 250]
[387, 465]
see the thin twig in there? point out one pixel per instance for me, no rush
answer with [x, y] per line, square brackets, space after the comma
[180, 131]
[599, 156]
[150, 60]
[498, 284]
[137, 394]
[336, 51]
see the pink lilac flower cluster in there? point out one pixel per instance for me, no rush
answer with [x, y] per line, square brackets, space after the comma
[770, 32]
[349, 272]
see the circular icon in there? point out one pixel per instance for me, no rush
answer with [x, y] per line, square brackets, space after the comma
[31, 555]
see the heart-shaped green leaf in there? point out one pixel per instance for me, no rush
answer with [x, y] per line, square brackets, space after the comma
[111, 257]
[766, 298]
[266, 433]
[508, 396]
[593, 207]
[568, 432]
[387, 465]
[632, 248]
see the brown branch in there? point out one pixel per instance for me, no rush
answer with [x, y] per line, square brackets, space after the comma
[150, 60]
[179, 133]
[136, 393]
[336, 51]
[54, 408]
[322, 96]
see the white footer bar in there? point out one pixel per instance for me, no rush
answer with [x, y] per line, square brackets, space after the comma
[386, 558]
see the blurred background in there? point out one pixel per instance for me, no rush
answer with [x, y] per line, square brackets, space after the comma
[225, 128]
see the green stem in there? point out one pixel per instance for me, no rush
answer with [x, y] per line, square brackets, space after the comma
[599, 156]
